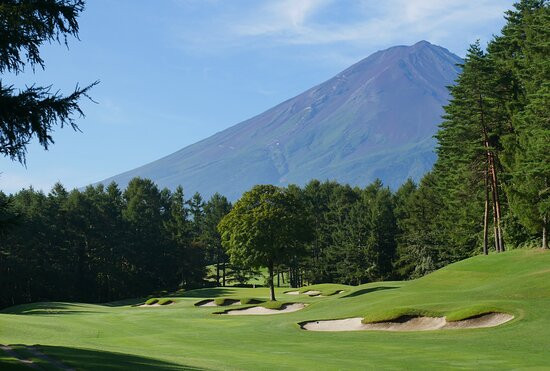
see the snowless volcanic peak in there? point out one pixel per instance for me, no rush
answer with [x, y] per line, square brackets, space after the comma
[375, 119]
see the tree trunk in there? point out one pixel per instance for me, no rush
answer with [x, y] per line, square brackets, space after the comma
[486, 215]
[218, 272]
[497, 204]
[499, 242]
[270, 281]
[544, 233]
[223, 274]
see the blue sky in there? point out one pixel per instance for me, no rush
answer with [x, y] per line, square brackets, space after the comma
[176, 71]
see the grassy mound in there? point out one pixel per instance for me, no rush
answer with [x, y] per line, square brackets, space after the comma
[247, 301]
[273, 304]
[397, 313]
[165, 301]
[225, 301]
[471, 312]
[451, 316]
[152, 301]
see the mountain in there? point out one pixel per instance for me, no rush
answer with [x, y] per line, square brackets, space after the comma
[376, 119]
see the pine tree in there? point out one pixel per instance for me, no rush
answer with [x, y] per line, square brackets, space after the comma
[35, 111]
[214, 210]
[468, 150]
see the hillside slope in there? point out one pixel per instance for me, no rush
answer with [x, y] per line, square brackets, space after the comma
[119, 336]
[376, 119]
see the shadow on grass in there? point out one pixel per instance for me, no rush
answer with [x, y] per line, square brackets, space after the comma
[47, 308]
[367, 291]
[124, 302]
[89, 359]
[211, 292]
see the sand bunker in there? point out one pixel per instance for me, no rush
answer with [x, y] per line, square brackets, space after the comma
[261, 310]
[408, 323]
[212, 303]
[155, 305]
[312, 293]
[485, 320]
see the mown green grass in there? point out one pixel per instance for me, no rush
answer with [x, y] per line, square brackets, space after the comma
[182, 336]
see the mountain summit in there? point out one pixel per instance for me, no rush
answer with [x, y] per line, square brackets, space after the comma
[375, 119]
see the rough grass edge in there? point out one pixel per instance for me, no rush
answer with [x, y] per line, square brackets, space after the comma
[472, 312]
[397, 313]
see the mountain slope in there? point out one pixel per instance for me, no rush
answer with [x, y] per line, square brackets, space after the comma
[376, 119]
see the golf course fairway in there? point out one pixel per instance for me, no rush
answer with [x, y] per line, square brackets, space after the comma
[124, 335]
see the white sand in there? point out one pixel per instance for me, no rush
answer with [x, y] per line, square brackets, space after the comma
[486, 320]
[292, 293]
[261, 310]
[409, 324]
[348, 324]
[312, 293]
[212, 303]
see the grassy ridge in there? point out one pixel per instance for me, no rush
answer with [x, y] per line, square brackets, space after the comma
[118, 336]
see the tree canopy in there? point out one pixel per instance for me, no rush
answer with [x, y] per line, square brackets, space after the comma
[33, 112]
[266, 227]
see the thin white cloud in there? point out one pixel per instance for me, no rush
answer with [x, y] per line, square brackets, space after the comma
[291, 25]
[310, 22]
[287, 16]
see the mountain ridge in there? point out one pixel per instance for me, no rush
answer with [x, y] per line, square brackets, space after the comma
[375, 119]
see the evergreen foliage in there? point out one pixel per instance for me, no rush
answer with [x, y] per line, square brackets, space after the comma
[33, 112]
[97, 245]
[489, 190]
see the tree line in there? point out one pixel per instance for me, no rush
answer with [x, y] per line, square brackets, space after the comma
[488, 191]
[103, 244]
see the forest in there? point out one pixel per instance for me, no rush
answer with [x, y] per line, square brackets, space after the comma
[488, 192]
